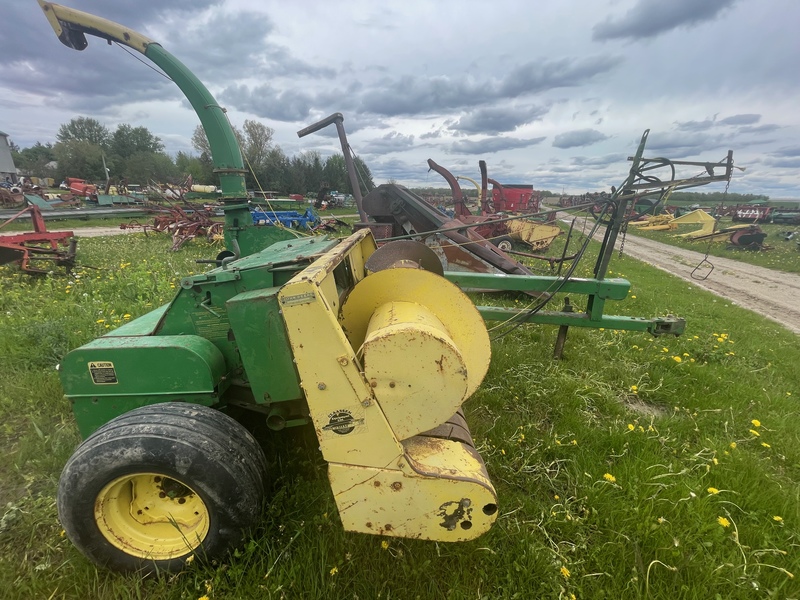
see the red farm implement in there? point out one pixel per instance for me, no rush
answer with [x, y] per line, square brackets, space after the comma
[34, 248]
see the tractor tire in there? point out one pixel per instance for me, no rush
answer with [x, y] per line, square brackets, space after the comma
[504, 243]
[161, 484]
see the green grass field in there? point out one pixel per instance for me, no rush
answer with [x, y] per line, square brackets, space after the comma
[636, 467]
[779, 254]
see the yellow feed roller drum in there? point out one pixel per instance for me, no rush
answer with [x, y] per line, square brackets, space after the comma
[418, 331]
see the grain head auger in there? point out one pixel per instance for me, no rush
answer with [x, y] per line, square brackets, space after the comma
[375, 349]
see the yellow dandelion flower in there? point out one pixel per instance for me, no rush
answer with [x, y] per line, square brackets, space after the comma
[203, 597]
[100, 321]
[385, 545]
[723, 521]
[778, 519]
[756, 423]
[715, 461]
[334, 571]
[572, 596]
[677, 359]
[634, 388]
[609, 477]
[631, 427]
[713, 490]
[565, 572]
[556, 497]
[661, 520]
[755, 433]
[574, 442]
[766, 445]
[733, 445]
[633, 297]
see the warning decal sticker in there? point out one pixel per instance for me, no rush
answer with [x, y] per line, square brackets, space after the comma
[103, 372]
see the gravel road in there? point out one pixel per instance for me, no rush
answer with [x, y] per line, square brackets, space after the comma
[774, 294]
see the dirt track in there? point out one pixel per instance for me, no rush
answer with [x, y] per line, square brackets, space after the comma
[774, 294]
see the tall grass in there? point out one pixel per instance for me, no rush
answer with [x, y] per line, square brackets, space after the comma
[636, 467]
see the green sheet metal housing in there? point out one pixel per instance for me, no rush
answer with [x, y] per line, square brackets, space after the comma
[220, 341]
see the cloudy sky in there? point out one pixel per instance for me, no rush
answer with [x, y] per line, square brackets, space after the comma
[555, 93]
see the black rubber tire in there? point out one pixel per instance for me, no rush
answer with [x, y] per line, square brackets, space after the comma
[199, 447]
[504, 243]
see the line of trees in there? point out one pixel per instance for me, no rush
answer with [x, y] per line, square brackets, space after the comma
[85, 148]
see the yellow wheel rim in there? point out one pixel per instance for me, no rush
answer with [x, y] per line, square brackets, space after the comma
[149, 515]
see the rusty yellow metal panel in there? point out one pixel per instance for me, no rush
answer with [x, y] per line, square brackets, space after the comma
[448, 498]
[537, 235]
[416, 371]
[349, 423]
[425, 350]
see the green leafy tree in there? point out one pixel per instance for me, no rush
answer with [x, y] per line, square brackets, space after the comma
[127, 141]
[33, 161]
[364, 176]
[81, 159]
[276, 171]
[84, 129]
[144, 167]
[335, 173]
[256, 142]
[201, 173]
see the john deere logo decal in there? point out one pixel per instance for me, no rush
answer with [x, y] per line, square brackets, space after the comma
[342, 422]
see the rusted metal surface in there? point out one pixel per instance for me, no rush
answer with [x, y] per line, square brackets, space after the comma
[460, 248]
[40, 247]
[404, 253]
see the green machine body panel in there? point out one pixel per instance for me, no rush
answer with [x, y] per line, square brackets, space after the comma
[221, 340]
[260, 335]
[115, 374]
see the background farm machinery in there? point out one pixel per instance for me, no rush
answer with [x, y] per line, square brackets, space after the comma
[375, 348]
[38, 251]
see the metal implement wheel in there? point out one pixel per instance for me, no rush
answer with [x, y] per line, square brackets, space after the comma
[504, 243]
[160, 484]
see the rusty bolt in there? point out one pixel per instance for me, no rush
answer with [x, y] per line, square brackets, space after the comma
[387, 527]
[373, 383]
[377, 484]
[343, 361]
[396, 486]
[466, 503]
[366, 403]
[321, 386]
[391, 384]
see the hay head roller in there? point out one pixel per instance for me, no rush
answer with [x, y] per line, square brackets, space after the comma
[375, 349]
